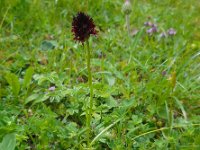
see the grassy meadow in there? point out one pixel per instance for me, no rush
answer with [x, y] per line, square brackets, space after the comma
[146, 83]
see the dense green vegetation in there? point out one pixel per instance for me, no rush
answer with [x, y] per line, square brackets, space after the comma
[146, 86]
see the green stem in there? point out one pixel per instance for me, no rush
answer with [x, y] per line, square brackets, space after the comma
[104, 130]
[162, 129]
[128, 24]
[91, 91]
[170, 116]
[4, 17]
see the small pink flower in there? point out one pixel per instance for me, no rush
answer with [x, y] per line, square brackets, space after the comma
[171, 32]
[52, 88]
[152, 30]
[148, 24]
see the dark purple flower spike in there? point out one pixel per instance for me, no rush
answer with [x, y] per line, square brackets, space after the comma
[82, 27]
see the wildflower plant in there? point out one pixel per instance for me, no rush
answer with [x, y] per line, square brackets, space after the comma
[126, 9]
[82, 27]
[148, 94]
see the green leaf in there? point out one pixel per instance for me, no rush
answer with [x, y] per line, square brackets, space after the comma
[163, 111]
[41, 99]
[8, 142]
[28, 76]
[111, 102]
[181, 107]
[31, 98]
[111, 80]
[36, 98]
[13, 81]
[136, 119]
[48, 45]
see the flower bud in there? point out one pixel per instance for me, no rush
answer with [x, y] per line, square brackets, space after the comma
[172, 79]
[126, 8]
